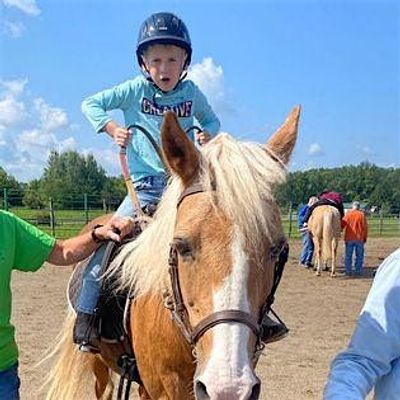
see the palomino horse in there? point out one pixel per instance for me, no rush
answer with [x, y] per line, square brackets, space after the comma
[325, 226]
[219, 233]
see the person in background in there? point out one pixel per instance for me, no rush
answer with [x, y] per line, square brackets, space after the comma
[372, 359]
[355, 236]
[24, 247]
[307, 251]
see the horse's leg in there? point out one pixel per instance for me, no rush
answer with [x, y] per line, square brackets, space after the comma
[102, 375]
[334, 254]
[319, 256]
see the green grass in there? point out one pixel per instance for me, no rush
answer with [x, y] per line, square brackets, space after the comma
[70, 222]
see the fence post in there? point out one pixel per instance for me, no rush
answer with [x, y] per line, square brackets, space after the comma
[85, 205]
[5, 199]
[290, 218]
[380, 222]
[52, 217]
[104, 205]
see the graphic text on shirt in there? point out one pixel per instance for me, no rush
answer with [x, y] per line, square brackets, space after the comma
[183, 109]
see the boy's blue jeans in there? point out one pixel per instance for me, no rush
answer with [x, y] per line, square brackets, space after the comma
[307, 250]
[149, 191]
[358, 247]
[9, 383]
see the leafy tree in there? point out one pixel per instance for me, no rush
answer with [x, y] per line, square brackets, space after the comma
[13, 188]
[33, 196]
[70, 174]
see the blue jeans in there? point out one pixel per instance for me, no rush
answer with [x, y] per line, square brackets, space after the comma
[307, 250]
[358, 247]
[149, 190]
[9, 383]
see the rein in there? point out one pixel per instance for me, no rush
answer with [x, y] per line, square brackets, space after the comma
[179, 311]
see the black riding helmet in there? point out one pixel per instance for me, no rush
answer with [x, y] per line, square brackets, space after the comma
[163, 28]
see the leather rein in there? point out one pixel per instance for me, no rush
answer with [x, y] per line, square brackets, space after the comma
[180, 313]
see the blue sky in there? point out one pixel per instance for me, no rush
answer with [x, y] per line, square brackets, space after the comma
[255, 60]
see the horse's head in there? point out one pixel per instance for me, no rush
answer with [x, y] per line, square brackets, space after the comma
[223, 250]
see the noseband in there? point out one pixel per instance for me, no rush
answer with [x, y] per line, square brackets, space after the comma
[180, 313]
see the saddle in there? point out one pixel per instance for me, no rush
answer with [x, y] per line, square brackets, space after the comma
[113, 311]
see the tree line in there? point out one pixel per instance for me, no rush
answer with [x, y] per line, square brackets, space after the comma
[70, 174]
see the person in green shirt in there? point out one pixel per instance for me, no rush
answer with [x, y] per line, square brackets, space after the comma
[24, 247]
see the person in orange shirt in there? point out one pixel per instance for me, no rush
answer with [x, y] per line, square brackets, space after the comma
[355, 236]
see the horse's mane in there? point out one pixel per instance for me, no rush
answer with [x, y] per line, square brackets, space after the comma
[242, 177]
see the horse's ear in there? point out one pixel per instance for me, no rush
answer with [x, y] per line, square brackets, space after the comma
[179, 152]
[283, 140]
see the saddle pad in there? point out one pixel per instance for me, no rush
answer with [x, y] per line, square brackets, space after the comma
[75, 283]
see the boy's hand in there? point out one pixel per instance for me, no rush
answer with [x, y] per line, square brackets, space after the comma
[203, 137]
[121, 136]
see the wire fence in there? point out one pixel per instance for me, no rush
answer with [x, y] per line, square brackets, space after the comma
[67, 217]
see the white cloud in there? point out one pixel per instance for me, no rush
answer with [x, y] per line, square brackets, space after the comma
[210, 79]
[107, 158]
[14, 87]
[29, 7]
[14, 29]
[365, 149]
[29, 129]
[12, 111]
[315, 149]
[51, 118]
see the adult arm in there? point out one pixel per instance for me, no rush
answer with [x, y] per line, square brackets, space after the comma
[375, 344]
[77, 248]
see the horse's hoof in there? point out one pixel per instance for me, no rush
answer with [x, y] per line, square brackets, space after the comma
[333, 275]
[318, 273]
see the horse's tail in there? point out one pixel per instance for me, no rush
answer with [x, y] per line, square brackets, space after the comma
[327, 235]
[72, 373]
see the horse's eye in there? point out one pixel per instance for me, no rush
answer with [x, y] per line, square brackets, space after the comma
[183, 247]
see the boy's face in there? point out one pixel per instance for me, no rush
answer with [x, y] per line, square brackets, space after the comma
[164, 64]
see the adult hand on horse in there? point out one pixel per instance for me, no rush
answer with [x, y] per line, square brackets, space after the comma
[116, 229]
[203, 137]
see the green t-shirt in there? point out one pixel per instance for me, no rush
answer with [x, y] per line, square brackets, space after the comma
[25, 248]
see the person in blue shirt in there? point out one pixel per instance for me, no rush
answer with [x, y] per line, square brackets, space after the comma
[372, 359]
[164, 53]
[307, 251]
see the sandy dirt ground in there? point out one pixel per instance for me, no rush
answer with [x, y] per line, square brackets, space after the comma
[320, 311]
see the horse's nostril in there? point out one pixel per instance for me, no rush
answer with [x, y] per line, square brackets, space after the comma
[200, 391]
[255, 393]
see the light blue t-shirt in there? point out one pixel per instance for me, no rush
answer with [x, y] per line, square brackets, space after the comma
[372, 359]
[144, 104]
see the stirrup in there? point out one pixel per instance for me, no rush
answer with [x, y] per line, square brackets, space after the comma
[89, 348]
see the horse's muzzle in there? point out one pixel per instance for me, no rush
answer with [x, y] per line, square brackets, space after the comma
[229, 391]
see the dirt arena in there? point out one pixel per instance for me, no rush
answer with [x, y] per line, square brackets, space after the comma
[320, 311]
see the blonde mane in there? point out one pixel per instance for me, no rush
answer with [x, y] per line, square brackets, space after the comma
[242, 177]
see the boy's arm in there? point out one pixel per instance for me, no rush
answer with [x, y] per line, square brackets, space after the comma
[205, 115]
[375, 343]
[95, 107]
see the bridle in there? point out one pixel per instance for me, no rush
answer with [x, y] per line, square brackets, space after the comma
[180, 313]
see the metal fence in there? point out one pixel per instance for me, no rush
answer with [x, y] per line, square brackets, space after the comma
[66, 221]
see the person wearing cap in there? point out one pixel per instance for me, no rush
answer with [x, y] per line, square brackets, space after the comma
[355, 236]
[307, 250]
[164, 53]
